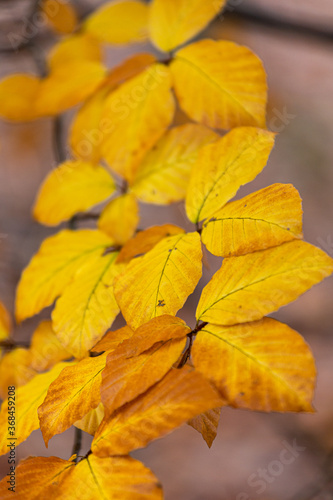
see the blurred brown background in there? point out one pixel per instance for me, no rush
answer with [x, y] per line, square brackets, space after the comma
[295, 41]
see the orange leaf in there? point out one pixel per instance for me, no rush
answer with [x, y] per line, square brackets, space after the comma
[206, 424]
[111, 340]
[61, 15]
[266, 365]
[45, 348]
[179, 396]
[15, 369]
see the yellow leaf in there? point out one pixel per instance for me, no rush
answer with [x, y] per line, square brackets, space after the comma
[59, 92]
[35, 478]
[77, 47]
[160, 282]
[120, 217]
[18, 94]
[160, 329]
[179, 396]
[266, 366]
[87, 308]
[261, 220]
[162, 177]
[90, 422]
[72, 187]
[138, 114]
[28, 398]
[248, 287]
[61, 15]
[110, 478]
[89, 127]
[206, 424]
[53, 267]
[45, 349]
[15, 370]
[125, 378]
[111, 340]
[119, 22]
[5, 322]
[71, 396]
[145, 240]
[223, 167]
[220, 84]
[173, 22]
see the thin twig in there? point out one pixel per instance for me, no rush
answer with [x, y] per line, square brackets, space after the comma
[77, 443]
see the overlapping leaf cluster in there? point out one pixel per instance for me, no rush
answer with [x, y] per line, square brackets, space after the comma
[133, 385]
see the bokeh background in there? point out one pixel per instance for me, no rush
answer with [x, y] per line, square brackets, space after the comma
[295, 41]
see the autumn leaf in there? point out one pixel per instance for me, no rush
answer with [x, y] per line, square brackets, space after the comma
[5, 322]
[223, 167]
[160, 329]
[160, 281]
[15, 370]
[145, 240]
[37, 478]
[53, 267]
[120, 22]
[72, 187]
[248, 287]
[71, 396]
[77, 47]
[87, 307]
[28, 398]
[125, 377]
[179, 396]
[89, 127]
[45, 349]
[266, 365]
[163, 175]
[90, 422]
[261, 220]
[60, 15]
[173, 22]
[206, 424]
[139, 111]
[220, 84]
[124, 208]
[17, 93]
[111, 340]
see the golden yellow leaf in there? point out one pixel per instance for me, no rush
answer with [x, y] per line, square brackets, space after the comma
[206, 424]
[90, 422]
[111, 340]
[125, 378]
[61, 16]
[53, 267]
[77, 47]
[179, 396]
[89, 127]
[110, 478]
[248, 287]
[45, 349]
[220, 84]
[74, 186]
[18, 94]
[160, 329]
[145, 240]
[71, 396]
[160, 281]
[266, 366]
[119, 22]
[261, 220]
[36, 478]
[120, 217]
[163, 175]
[5, 322]
[138, 113]
[87, 308]
[173, 22]
[223, 167]
[28, 398]
[15, 370]
[57, 92]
